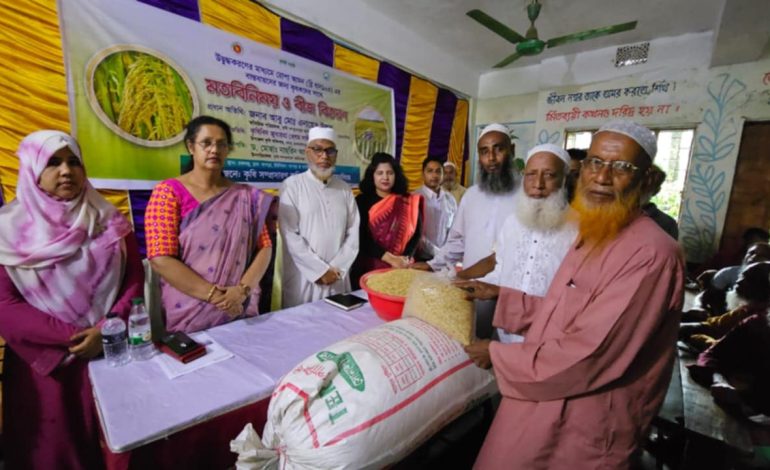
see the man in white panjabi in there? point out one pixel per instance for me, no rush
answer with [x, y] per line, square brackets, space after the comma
[481, 214]
[536, 237]
[438, 210]
[318, 222]
[484, 206]
[450, 182]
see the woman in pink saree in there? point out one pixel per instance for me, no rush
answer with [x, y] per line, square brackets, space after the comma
[391, 218]
[206, 236]
[68, 257]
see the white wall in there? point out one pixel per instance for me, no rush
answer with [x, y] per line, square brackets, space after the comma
[505, 108]
[665, 54]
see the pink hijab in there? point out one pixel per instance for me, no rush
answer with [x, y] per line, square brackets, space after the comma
[66, 257]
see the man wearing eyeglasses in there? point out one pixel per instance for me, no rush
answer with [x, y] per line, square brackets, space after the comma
[318, 220]
[593, 370]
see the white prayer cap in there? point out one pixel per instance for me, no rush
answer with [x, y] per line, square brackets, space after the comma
[494, 127]
[326, 133]
[640, 134]
[448, 163]
[550, 148]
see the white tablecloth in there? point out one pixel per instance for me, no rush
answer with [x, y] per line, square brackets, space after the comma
[137, 404]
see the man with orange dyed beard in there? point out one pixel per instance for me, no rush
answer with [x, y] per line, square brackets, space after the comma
[583, 387]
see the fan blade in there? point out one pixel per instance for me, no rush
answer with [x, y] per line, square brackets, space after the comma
[496, 26]
[507, 60]
[591, 33]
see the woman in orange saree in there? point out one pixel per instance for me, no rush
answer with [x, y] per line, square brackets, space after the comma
[391, 218]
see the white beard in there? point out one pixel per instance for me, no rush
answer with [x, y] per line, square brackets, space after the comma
[541, 214]
[320, 173]
[734, 300]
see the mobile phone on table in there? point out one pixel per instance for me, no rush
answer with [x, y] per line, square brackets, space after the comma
[181, 347]
[345, 301]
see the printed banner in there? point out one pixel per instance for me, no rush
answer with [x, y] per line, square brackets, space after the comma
[137, 74]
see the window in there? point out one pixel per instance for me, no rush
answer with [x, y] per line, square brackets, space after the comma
[579, 139]
[674, 146]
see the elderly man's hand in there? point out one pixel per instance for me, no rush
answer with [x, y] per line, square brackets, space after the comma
[331, 276]
[478, 352]
[477, 290]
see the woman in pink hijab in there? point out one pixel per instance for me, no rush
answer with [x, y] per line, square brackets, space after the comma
[67, 257]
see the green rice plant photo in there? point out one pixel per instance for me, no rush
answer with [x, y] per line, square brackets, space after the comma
[140, 95]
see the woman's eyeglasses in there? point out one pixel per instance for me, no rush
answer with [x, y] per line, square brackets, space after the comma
[208, 144]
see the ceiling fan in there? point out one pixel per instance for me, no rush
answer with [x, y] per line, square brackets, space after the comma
[530, 44]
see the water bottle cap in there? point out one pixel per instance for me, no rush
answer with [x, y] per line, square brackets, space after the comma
[137, 301]
[112, 315]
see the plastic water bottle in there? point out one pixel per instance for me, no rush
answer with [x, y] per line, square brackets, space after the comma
[115, 341]
[139, 332]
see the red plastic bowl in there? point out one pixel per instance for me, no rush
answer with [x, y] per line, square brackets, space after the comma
[387, 307]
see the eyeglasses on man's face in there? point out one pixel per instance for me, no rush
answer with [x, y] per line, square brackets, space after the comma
[617, 167]
[221, 145]
[330, 152]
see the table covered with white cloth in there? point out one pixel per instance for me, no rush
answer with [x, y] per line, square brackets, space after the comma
[139, 405]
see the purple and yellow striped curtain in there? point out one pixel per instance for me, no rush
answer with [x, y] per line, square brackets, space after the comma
[32, 42]
[34, 88]
[355, 63]
[458, 139]
[429, 120]
[417, 130]
[244, 18]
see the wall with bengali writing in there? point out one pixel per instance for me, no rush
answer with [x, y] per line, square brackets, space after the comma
[715, 101]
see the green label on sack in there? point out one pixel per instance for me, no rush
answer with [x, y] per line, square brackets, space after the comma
[347, 367]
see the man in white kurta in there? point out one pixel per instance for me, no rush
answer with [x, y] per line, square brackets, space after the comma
[485, 206]
[450, 183]
[481, 214]
[536, 237]
[318, 221]
[439, 208]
